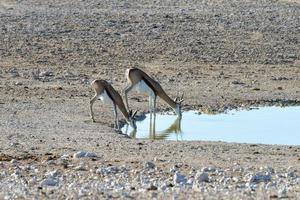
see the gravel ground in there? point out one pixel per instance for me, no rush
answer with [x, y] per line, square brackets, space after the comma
[221, 54]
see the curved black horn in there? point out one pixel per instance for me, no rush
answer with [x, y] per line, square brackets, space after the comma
[182, 96]
[134, 113]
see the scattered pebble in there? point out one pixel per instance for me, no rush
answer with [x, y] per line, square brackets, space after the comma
[209, 169]
[282, 193]
[83, 154]
[50, 181]
[123, 181]
[17, 173]
[80, 167]
[108, 170]
[149, 165]
[237, 82]
[202, 177]
[179, 178]
[259, 177]
[54, 173]
[18, 83]
[46, 73]
[13, 161]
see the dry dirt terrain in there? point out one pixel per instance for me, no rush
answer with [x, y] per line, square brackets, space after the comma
[221, 54]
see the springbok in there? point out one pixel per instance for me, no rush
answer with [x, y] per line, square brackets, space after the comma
[139, 80]
[108, 95]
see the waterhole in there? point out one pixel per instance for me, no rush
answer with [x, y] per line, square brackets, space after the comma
[264, 125]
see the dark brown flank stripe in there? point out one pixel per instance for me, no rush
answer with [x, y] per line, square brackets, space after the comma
[109, 94]
[150, 85]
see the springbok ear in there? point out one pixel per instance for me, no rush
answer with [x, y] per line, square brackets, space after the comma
[176, 99]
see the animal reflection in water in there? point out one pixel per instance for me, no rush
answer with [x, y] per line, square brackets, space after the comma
[174, 128]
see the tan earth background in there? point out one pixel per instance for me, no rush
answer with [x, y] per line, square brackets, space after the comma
[221, 54]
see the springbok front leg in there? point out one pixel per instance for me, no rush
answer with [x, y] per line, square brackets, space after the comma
[116, 126]
[126, 91]
[92, 101]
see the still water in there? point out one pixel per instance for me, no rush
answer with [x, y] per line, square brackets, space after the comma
[265, 125]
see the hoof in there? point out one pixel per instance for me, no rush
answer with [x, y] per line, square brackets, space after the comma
[118, 131]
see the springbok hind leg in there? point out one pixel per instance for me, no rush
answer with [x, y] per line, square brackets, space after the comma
[92, 101]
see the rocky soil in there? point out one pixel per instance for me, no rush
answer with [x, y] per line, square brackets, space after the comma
[221, 54]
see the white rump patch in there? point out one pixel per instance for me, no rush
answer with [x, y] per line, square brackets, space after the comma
[105, 98]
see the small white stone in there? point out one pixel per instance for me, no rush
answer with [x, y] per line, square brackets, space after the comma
[282, 193]
[173, 169]
[18, 83]
[17, 173]
[271, 184]
[179, 178]
[79, 154]
[79, 168]
[3, 174]
[208, 169]
[82, 154]
[267, 169]
[32, 180]
[107, 170]
[251, 185]
[291, 173]
[85, 81]
[198, 188]
[259, 177]
[202, 177]
[90, 155]
[49, 182]
[149, 165]
[46, 73]
[50, 162]
[53, 174]
[235, 179]
[238, 169]
[13, 161]
[65, 157]
[190, 181]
